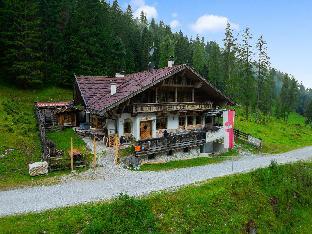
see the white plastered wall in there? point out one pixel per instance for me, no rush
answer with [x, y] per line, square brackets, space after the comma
[173, 122]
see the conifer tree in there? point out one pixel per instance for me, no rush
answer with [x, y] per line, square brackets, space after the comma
[166, 50]
[214, 65]
[183, 50]
[199, 55]
[284, 98]
[229, 52]
[21, 43]
[118, 54]
[308, 113]
[247, 86]
[145, 43]
[262, 75]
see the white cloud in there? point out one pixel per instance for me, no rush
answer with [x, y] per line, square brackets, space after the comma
[137, 3]
[140, 5]
[211, 23]
[174, 15]
[175, 24]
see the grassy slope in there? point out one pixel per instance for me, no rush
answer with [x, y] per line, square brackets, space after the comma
[19, 131]
[277, 135]
[188, 162]
[276, 199]
[62, 140]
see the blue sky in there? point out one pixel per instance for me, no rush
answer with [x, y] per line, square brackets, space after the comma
[285, 24]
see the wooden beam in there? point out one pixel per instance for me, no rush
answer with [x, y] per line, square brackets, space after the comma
[193, 96]
[176, 95]
[156, 97]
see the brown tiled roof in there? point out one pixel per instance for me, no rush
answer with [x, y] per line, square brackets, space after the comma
[52, 104]
[95, 90]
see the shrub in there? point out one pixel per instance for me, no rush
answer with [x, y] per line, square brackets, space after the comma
[125, 215]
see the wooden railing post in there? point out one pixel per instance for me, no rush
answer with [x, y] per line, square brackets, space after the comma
[94, 153]
[71, 155]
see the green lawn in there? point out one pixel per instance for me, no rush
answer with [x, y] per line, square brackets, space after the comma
[200, 161]
[278, 136]
[18, 127]
[274, 200]
[62, 139]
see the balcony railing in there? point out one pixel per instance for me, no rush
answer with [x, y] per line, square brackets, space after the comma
[172, 142]
[159, 107]
[179, 141]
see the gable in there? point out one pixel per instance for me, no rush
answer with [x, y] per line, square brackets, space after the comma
[95, 91]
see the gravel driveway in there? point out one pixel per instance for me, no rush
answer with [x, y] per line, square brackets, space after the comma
[110, 181]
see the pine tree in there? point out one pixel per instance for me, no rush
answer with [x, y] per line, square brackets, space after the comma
[146, 43]
[262, 75]
[183, 50]
[21, 42]
[288, 97]
[308, 113]
[118, 56]
[199, 55]
[229, 60]
[247, 85]
[214, 65]
[269, 93]
[302, 99]
[166, 50]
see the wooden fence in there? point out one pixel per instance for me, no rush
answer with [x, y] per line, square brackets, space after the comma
[51, 154]
[257, 142]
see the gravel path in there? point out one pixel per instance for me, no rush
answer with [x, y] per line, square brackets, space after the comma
[109, 181]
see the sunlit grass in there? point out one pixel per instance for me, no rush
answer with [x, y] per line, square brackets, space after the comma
[19, 131]
[276, 199]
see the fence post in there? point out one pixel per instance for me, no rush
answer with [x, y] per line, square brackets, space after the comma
[94, 153]
[116, 145]
[71, 155]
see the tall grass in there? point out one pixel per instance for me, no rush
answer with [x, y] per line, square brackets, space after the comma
[271, 200]
[277, 135]
[19, 131]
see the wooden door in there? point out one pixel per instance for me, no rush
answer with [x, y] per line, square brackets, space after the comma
[145, 130]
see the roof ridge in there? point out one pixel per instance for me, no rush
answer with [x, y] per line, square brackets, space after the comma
[155, 72]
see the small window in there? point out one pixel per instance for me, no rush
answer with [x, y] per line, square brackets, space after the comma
[198, 119]
[190, 120]
[208, 120]
[161, 123]
[182, 121]
[127, 126]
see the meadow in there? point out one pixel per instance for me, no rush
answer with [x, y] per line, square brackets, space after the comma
[276, 199]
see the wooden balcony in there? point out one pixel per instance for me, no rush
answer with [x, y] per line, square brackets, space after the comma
[173, 106]
[172, 142]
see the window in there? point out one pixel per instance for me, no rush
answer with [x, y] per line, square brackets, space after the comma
[182, 121]
[161, 123]
[208, 120]
[198, 119]
[190, 120]
[127, 126]
[96, 122]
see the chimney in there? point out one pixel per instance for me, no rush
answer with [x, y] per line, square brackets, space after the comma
[171, 62]
[121, 74]
[113, 88]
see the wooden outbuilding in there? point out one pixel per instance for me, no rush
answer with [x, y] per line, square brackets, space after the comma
[62, 114]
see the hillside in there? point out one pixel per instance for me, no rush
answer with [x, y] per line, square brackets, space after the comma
[271, 200]
[277, 135]
[19, 131]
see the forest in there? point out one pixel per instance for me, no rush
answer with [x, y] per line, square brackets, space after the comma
[44, 43]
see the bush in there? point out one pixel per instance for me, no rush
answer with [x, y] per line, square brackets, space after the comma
[125, 215]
